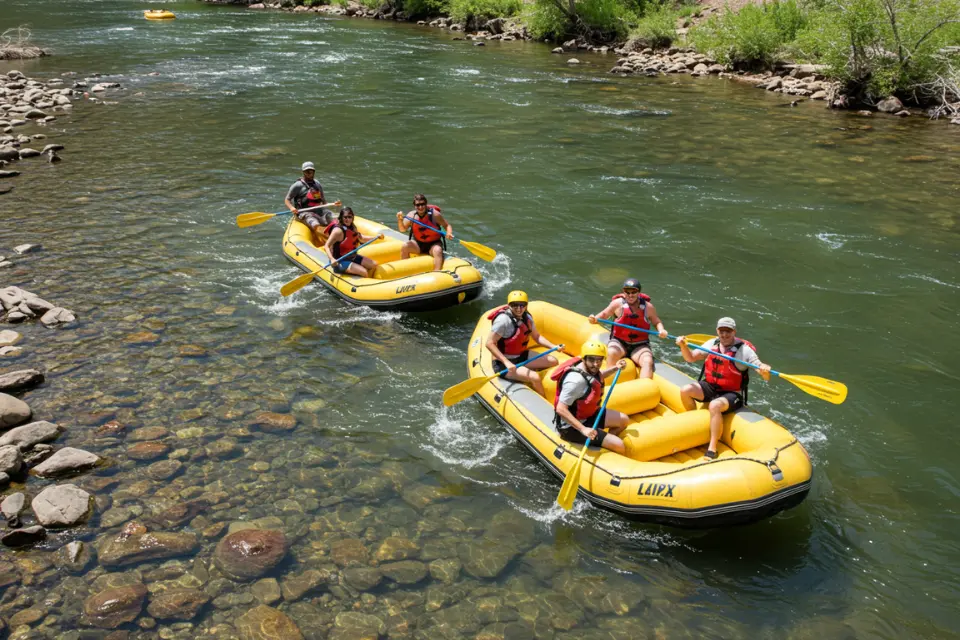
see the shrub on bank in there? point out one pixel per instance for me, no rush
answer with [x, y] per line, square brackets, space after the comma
[755, 36]
[465, 10]
[657, 27]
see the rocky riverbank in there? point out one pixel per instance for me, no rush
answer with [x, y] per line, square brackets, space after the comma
[27, 107]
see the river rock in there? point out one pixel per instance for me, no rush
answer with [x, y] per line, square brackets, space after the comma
[147, 450]
[11, 459]
[177, 604]
[9, 153]
[53, 157]
[66, 460]
[74, 557]
[144, 434]
[28, 616]
[31, 434]
[349, 551]
[12, 505]
[294, 587]
[274, 422]
[57, 316]
[397, 548]
[445, 569]
[23, 537]
[267, 623]
[890, 105]
[13, 411]
[353, 625]
[362, 578]
[113, 607]
[250, 553]
[52, 147]
[164, 470]
[9, 174]
[8, 338]
[267, 590]
[62, 505]
[20, 380]
[405, 571]
[28, 153]
[123, 550]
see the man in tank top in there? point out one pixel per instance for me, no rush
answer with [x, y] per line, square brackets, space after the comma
[306, 192]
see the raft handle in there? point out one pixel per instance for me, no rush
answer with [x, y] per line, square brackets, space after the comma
[497, 398]
[775, 470]
[615, 481]
[558, 453]
[476, 361]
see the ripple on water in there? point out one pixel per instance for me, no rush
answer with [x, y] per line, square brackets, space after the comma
[464, 440]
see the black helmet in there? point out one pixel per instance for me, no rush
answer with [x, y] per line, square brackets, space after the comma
[631, 283]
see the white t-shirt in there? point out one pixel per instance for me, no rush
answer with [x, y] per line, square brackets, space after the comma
[744, 353]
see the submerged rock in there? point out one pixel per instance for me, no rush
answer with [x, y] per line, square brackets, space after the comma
[267, 623]
[354, 625]
[20, 380]
[405, 571]
[362, 578]
[177, 604]
[23, 537]
[74, 556]
[274, 422]
[250, 553]
[118, 551]
[113, 607]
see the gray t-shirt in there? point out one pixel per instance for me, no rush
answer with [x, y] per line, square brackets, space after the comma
[297, 193]
[744, 353]
[503, 325]
[575, 386]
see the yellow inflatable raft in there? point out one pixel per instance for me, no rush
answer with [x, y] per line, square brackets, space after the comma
[761, 469]
[396, 285]
[158, 14]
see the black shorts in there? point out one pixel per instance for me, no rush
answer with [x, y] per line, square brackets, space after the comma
[499, 366]
[630, 348]
[570, 434]
[712, 392]
[317, 218]
[343, 265]
[426, 246]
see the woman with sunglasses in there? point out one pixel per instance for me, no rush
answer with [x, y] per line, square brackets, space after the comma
[425, 238]
[510, 332]
[344, 238]
[634, 309]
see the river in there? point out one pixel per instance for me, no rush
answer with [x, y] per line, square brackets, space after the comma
[831, 238]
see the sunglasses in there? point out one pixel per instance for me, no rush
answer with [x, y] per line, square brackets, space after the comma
[348, 217]
[518, 305]
[631, 292]
[420, 204]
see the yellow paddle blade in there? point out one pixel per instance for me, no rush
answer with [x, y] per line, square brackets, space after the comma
[482, 251]
[463, 390]
[297, 283]
[699, 338]
[245, 220]
[829, 390]
[568, 492]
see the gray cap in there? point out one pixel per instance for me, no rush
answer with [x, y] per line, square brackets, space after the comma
[728, 323]
[307, 165]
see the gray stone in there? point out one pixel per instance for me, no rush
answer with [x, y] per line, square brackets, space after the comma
[8, 337]
[177, 604]
[30, 434]
[12, 505]
[405, 571]
[119, 551]
[10, 459]
[23, 537]
[362, 578]
[10, 352]
[57, 316]
[13, 411]
[20, 380]
[9, 174]
[62, 505]
[357, 626]
[890, 105]
[570, 61]
[28, 153]
[66, 460]
[4, 479]
[34, 114]
[74, 557]
[52, 147]
[267, 591]
[27, 248]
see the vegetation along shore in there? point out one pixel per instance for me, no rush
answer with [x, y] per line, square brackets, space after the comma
[893, 56]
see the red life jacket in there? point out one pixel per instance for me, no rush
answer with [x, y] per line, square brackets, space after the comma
[314, 195]
[628, 316]
[724, 373]
[351, 238]
[587, 404]
[516, 343]
[423, 234]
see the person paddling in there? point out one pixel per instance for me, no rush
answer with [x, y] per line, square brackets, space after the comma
[510, 332]
[722, 384]
[579, 398]
[343, 238]
[630, 307]
[424, 238]
[306, 192]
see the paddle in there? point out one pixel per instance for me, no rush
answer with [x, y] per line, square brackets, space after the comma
[693, 337]
[254, 218]
[568, 492]
[301, 281]
[829, 390]
[463, 390]
[482, 251]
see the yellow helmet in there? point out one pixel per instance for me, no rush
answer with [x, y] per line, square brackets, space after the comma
[518, 296]
[593, 348]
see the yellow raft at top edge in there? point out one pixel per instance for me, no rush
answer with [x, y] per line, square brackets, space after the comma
[158, 14]
[761, 470]
[396, 285]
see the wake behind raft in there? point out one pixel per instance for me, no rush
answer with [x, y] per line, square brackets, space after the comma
[761, 470]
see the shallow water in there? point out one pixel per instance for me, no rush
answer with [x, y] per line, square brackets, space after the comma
[831, 238]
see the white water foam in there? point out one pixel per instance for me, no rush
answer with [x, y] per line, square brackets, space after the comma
[832, 240]
[627, 179]
[612, 111]
[465, 71]
[920, 276]
[496, 274]
[353, 315]
[121, 29]
[460, 440]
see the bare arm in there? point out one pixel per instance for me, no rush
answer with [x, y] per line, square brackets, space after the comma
[491, 345]
[609, 312]
[335, 236]
[540, 340]
[442, 222]
[655, 319]
[564, 412]
[689, 356]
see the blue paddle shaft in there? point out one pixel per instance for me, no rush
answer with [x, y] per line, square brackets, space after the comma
[603, 408]
[437, 229]
[539, 355]
[352, 252]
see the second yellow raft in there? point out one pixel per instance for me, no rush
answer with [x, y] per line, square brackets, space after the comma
[158, 14]
[762, 468]
[396, 285]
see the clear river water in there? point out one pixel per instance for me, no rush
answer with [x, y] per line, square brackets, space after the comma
[831, 238]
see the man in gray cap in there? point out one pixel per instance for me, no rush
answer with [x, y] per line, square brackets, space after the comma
[722, 384]
[304, 194]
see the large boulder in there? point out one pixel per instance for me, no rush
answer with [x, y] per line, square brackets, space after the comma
[57, 316]
[62, 505]
[890, 105]
[267, 623]
[31, 434]
[13, 411]
[250, 553]
[64, 461]
[123, 550]
[113, 607]
[19, 380]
